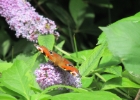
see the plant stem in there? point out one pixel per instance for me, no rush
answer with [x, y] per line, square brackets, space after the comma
[138, 95]
[75, 46]
[71, 37]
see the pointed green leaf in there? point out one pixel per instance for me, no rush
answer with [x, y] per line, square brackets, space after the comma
[92, 61]
[29, 60]
[101, 38]
[77, 10]
[5, 42]
[133, 77]
[60, 45]
[82, 56]
[61, 14]
[14, 78]
[7, 97]
[86, 81]
[116, 70]
[109, 59]
[47, 41]
[108, 77]
[120, 82]
[4, 66]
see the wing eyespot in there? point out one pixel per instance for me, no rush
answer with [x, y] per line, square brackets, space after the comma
[51, 52]
[71, 65]
[74, 74]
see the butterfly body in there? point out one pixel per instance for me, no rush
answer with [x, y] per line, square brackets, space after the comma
[58, 60]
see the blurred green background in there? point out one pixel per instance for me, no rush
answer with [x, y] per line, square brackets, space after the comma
[75, 19]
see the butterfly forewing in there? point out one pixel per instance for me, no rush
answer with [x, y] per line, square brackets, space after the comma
[58, 60]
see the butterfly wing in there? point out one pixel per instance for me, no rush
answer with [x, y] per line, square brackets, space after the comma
[58, 60]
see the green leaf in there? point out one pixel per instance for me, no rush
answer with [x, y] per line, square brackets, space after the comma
[19, 47]
[96, 95]
[7, 97]
[133, 77]
[120, 82]
[80, 90]
[132, 92]
[108, 77]
[123, 41]
[15, 79]
[6, 46]
[5, 42]
[31, 64]
[29, 60]
[108, 59]
[5, 90]
[61, 14]
[102, 3]
[4, 66]
[116, 70]
[40, 97]
[60, 45]
[47, 41]
[86, 81]
[82, 56]
[101, 38]
[93, 59]
[77, 9]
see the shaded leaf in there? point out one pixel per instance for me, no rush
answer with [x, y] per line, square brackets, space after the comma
[116, 70]
[21, 46]
[108, 77]
[102, 3]
[120, 82]
[62, 14]
[77, 10]
[7, 97]
[5, 42]
[133, 77]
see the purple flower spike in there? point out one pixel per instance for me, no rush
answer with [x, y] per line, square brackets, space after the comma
[48, 75]
[23, 19]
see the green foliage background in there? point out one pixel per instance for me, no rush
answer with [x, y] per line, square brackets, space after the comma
[101, 37]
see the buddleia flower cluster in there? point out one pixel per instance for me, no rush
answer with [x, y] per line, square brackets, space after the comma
[23, 19]
[48, 75]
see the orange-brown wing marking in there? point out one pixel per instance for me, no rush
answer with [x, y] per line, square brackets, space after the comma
[58, 60]
[68, 66]
[43, 50]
